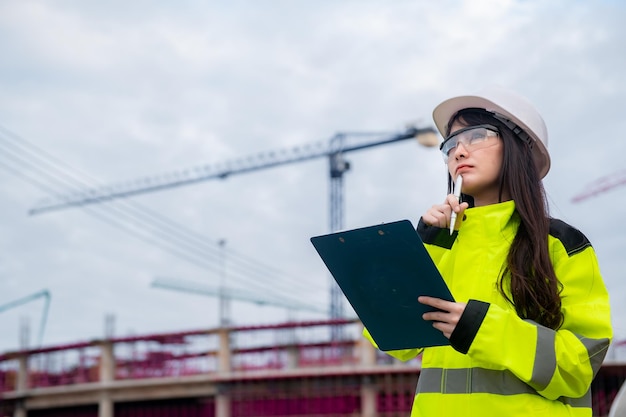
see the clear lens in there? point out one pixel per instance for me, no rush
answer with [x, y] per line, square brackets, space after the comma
[471, 137]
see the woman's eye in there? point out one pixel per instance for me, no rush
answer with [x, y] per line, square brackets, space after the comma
[477, 137]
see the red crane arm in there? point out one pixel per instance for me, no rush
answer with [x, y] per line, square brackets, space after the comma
[601, 185]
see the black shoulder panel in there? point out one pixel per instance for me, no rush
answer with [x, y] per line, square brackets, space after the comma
[572, 239]
[435, 235]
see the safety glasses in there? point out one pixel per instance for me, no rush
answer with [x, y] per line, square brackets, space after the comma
[472, 138]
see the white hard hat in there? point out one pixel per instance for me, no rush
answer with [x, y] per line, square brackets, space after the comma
[510, 108]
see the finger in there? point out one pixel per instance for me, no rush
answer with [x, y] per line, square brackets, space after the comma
[459, 216]
[451, 200]
[435, 302]
[436, 316]
[444, 328]
[442, 317]
[455, 205]
[440, 215]
[437, 219]
[431, 219]
[461, 208]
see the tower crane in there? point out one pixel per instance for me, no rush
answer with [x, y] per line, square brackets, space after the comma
[44, 316]
[601, 185]
[334, 150]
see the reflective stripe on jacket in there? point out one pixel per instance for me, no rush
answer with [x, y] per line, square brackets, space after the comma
[504, 365]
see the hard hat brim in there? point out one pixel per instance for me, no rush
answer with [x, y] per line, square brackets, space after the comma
[450, 107]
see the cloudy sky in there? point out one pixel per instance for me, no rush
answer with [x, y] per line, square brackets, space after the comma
[99, 93]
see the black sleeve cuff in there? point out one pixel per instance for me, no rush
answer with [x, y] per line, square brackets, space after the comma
[465, 331]
[434, 235]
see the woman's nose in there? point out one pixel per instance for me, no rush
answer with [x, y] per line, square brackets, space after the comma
[460, 151]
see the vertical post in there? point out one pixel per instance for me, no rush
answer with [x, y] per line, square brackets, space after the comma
[369, 392]
[368, 397]
[105, 405]
[21, 384]
[107, 374]
[222, 398]
[222, 401]
[368, 352]
[223, 355]
[22, 372]
[107, 362]
[20, 410]
[293, 356]
[291, 341]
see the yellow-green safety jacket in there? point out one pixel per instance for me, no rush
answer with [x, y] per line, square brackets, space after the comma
[499, 364]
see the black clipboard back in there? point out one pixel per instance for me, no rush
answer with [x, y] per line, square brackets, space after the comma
[381, 270]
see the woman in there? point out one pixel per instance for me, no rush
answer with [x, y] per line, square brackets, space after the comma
[531, 324]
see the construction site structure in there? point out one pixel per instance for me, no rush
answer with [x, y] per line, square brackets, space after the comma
[292, 369]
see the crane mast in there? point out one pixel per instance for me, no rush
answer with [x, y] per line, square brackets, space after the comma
[334, 150]
[338, 166]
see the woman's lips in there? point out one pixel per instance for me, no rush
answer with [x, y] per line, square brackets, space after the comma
[461, 168]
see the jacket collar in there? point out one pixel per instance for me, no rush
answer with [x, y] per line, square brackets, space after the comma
[491, 220]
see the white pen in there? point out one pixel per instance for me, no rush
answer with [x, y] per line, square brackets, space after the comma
[457, 193]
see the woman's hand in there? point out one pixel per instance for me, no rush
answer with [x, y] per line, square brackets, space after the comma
[439, 214]
[446, 319]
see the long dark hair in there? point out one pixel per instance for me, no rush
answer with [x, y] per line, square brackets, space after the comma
[529, 275]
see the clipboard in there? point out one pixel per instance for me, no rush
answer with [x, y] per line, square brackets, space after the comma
[381, 270]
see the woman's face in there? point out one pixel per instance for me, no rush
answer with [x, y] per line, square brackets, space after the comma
[480, 167]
